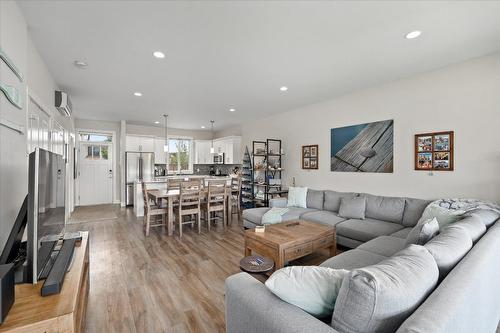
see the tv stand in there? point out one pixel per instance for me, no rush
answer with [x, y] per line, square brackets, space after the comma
[63, 312]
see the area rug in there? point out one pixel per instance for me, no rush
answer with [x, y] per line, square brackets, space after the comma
[93, 213]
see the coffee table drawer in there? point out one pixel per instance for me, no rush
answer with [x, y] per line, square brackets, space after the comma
[321, 243]
[298, 251]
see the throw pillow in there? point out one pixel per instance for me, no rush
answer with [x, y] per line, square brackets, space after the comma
[297, 197]
[423, 232]
[352, 208]
[314, 289]
[379, 298]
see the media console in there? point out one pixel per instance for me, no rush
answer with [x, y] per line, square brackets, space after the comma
[63, 312]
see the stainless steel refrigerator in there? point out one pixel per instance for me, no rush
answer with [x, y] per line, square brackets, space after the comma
[138, 166]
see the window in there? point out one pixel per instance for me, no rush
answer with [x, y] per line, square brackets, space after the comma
[96, 152]
[94, 137]
[179, 156]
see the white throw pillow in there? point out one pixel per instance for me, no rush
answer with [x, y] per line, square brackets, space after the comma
[314, 289]
[297, 197]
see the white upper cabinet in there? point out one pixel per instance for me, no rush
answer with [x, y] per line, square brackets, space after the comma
[202, 152]
[140, 143]
[230, 146]
[160, 155]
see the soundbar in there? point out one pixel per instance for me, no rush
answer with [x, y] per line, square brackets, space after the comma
[54, 282]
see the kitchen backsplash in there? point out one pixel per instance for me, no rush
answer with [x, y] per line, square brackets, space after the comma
[202, 169]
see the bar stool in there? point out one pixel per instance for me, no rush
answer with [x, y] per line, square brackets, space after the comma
[235, 196]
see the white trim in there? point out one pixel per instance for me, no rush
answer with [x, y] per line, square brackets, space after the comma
[115, 157]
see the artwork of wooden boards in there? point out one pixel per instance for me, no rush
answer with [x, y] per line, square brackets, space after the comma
[363, 148]
[310, 157]
[434, 151]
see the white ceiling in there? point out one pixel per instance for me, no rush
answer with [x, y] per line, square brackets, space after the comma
[222, 55]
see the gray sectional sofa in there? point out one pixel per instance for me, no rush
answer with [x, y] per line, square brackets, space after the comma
[462, 292]
[384, 216]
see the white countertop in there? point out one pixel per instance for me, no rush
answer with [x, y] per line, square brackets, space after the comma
[163, 179]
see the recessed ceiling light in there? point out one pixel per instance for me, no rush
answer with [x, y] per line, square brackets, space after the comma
[232, 110]
[159, 55]
[138, 94]
[80, 64]
[202, 126]
[284, 88]
[157, 122]
[413, 34]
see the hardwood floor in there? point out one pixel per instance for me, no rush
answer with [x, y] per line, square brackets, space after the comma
[160, 283]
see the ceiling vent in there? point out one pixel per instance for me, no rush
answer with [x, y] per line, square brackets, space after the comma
[63, 103]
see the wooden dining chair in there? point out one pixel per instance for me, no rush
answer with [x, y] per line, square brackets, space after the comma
[215, 202]
[189, 204]
[152, 209]
[235, 198]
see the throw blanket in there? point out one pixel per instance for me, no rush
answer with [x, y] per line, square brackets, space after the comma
[273, 215]
[451, 210]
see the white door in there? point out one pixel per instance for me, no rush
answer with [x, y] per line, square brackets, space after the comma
[95, 173]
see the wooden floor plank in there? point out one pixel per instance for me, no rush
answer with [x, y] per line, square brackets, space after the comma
[160, 283]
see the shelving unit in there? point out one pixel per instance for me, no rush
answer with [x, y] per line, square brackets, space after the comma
[267, 170]
[247, 181]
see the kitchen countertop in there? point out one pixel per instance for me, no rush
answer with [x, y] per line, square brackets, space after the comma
[163, 179]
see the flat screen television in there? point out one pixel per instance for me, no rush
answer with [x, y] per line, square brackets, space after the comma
[46, 208]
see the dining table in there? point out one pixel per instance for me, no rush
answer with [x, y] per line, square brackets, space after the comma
[174, 194]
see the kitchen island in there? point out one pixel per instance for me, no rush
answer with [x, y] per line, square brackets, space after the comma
[160, 183]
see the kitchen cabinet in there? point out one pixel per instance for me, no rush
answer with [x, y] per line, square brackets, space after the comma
[202, 152]
[140, 143]
[230, 146]
[160, 155]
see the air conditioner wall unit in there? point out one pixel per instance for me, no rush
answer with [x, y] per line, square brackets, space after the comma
[63, 103]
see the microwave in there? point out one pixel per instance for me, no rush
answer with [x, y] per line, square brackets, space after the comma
[219, 158]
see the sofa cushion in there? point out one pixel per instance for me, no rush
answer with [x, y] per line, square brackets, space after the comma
[348, 242]
[380, 297]
[323, 217]
[449, 247]
[352, 208]
[487, 216]
[313, 289]
[403, 233]
[353, 259]
[332, 199]
[367, 229]
[474, 226]
[295, 213]
[254, 215]
[384, 245]
[315, 199]
[414, 208]
[423, 232]
[384, 208]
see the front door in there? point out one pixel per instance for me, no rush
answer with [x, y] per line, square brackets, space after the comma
[95, 173]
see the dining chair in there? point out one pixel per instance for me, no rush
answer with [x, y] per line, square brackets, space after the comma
[189, 204]
[235, 199]
[215, 202]
[152, 209]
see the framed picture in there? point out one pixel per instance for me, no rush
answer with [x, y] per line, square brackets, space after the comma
[365, 147]
[310, 157]
[434, 151]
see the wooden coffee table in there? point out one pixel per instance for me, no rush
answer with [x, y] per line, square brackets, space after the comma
[290, 240]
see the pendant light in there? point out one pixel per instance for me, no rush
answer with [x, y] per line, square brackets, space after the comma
[212, 150]
[165, 146]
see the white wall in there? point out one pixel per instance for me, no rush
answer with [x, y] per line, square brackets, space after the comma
[13, 170]
[16, 42]
[464, 98]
